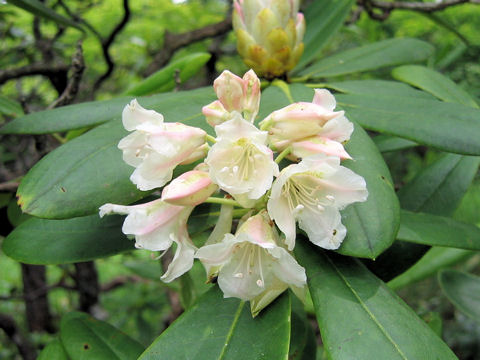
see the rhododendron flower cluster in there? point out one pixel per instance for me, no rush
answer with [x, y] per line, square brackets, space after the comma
[239, 168]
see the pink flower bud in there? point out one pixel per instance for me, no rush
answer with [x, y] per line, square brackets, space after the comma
[317, 145]
[229, 90]
[189, 189]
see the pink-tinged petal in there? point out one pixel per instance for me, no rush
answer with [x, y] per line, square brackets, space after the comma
[282, 214]
[251, 95]
[134, 115]
[134, 148]
[300, 28]
[229, 90]
[325, 99]
[216, 113]
[189, 189]
[217, 253]
[338, 128]
[154, 172]
[344, 187]
[236, 280]
[258, 230]
[287, 268]
[238, 128]
[199, 153]
[324, 229]
[109, 209]
[143, 219]
[183, 258]
[317, 145]
[156, 225]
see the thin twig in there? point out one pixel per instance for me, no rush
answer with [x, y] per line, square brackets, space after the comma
[420, 6]
[172, 42]
[45, 69]
[380, 10]
[106, 43]
[9, 186]
[77, 68]
[11, 329]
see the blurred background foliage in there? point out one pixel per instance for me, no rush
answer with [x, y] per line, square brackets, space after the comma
[132, 297]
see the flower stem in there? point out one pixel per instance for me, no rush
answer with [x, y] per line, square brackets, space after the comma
[211, 139]
[282, 155]
[222, 201]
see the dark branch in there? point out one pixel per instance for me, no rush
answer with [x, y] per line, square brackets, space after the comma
[172, 42]
[44, 69]
[120, 281]
[380, 10]
[77, 68]
[25, 348]
[106, 43]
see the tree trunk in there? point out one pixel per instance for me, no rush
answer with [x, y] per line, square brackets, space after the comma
[86, 279]
[38, 314]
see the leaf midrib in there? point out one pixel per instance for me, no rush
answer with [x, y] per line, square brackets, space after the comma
[230, 331]
[367, 310]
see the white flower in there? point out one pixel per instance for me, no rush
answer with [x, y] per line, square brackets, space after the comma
[155, 148]
[251, 264]
[315, 121]
[156, 225]
[240, 162]
[313, 192]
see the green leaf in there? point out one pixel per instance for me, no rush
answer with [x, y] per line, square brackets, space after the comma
[433, 82]
[435, 259]
[88, 171]
[165, 79]
[84, 337]
[80, 176]
[187, 291]
[14, 213]
[437, 230]
[218, 328]
[323, 18]
[428, 122]
[360, 317]
[387, 143]
[171, 105]
[434, 320]
[373, 224]
[377, 87]
[370, 57]
[467, 211]
[40, 241]
[463, 290]
[38, 9]
[303, 344]
[10, 107]
[53, 351]
[439, 188]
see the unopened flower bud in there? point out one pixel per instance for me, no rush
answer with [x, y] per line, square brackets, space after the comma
[235, 95]
[189, 189]
[269, 35]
